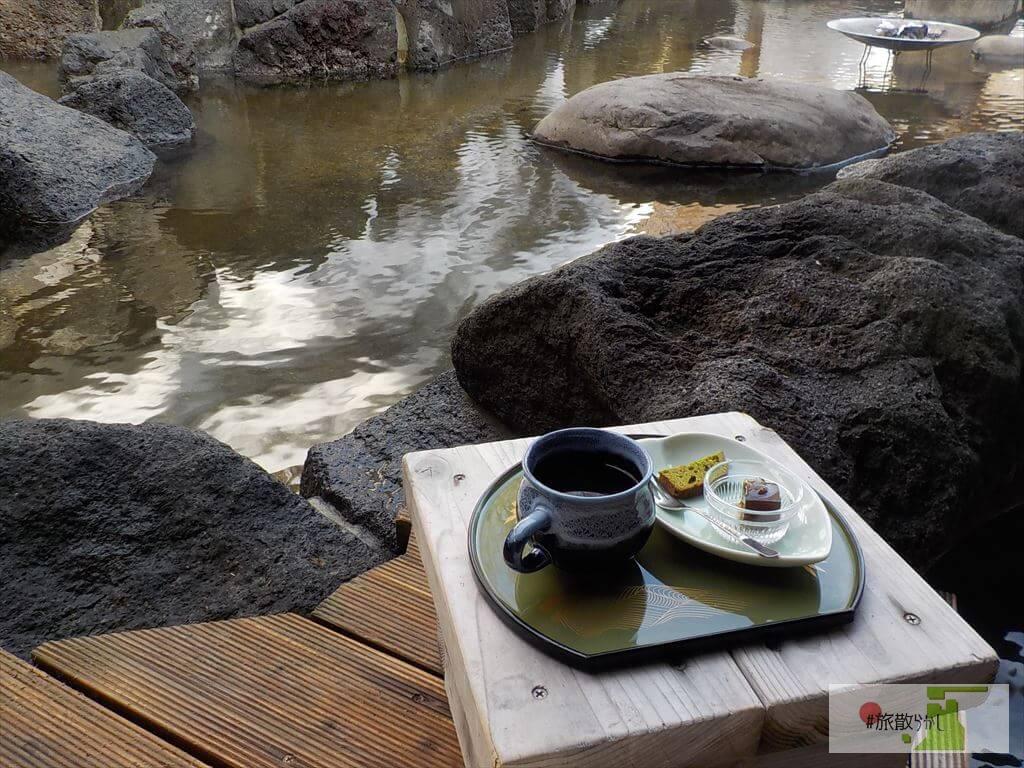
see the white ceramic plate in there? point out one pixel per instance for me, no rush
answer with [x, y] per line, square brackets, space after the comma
[808, 540]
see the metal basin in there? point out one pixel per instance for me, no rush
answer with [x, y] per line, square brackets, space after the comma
[863, 31]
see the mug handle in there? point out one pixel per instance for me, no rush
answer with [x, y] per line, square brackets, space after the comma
[536, 522]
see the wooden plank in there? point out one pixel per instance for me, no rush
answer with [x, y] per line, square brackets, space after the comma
[403, 530]
[407, 629]
[516, 706]
[266, 692]
[904, 630]
[44, 724]
[390, 608]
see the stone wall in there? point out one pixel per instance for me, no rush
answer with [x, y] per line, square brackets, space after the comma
[35, 29]
[280, 41]
[295, 40]
[982, 14]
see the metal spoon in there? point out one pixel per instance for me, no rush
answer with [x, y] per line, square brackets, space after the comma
[665, 501]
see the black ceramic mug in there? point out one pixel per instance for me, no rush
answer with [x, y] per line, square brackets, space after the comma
[585, 501]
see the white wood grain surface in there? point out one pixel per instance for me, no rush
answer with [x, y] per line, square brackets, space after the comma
[904, 631]
[514, 706]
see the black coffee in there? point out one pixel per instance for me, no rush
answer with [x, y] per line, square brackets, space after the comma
[586, 473]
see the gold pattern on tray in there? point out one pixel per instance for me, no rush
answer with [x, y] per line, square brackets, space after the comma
[649, 604]
[815, 569]
[513, 513]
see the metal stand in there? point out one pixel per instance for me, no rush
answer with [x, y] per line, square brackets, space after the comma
[887, 71]
[888, 80]
[927, 70]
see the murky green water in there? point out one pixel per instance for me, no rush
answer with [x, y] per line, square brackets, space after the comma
[305, 264]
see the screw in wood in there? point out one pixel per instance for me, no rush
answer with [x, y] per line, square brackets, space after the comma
[539, 692]
[741, 438]
[912, 618]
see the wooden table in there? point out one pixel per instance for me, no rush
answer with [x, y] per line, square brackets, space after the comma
[756, 705]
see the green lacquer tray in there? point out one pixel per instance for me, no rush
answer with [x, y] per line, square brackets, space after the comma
[671, 600]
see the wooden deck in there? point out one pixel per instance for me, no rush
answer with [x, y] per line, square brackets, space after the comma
[358, 684]
[43, 723]
[389, 608]
[256, 693]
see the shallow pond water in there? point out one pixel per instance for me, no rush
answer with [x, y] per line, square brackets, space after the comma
[305, 263]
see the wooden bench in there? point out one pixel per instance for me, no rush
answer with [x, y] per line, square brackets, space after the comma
[759, 705]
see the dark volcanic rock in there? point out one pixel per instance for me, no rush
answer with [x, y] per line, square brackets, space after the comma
[139, 49]
[249, 13]
[880, 331]
[107, 527]
[983, 570]
[981, 174]
[179, 59]
[286, 41]
[526, 15]
[440, 33]
[132, 101]
[57, 165]
[203, 28]
[361, 474]
[716, 121]
[327, 39]
[35, 29]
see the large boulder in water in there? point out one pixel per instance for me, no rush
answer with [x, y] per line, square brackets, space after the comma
[81, 53]
[360, 474]
[981, 174]
[57, 165]
[716, 121]
[107, 527]
[104, 52]
[729, 43]
[1007, 50]
[878, 330]
[203, 28]
[325, 39]
[178, 57]
[136, 103]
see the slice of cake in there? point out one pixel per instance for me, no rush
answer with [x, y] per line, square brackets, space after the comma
[687, 480]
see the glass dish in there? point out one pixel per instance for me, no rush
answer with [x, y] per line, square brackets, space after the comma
[723, 491]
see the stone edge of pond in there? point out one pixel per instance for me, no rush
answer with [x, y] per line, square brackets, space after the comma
[360, 474]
